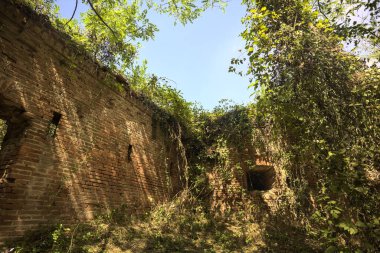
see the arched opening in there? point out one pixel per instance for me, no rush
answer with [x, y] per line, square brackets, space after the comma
[260, 178]
[13, 122]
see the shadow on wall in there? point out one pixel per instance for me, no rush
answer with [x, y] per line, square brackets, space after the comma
[73, 145]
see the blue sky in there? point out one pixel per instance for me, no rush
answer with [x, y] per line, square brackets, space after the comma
[196, 56]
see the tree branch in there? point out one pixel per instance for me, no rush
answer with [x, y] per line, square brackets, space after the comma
[320, 9]
[101, 19]
[72, 16]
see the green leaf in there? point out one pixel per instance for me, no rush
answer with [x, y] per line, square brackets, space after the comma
[335, 213]
[350, 228]
[361, 224]
[331, 249]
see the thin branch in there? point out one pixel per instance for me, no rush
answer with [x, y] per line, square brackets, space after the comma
[72, 238]
[75, 10]
[320, 9]
[101, 19]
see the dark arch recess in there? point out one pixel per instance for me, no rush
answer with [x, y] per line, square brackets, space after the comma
[260, 178]
[17, 121]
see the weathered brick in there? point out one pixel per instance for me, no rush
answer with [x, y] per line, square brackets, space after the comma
[68, 176]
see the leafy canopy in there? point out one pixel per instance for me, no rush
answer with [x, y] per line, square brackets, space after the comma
[355, 20]
[323, 106]
[112, 30]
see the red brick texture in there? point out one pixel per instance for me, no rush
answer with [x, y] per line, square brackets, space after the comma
[88, 165]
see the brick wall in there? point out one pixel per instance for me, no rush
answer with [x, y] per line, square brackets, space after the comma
[105, 151]
[228, 189]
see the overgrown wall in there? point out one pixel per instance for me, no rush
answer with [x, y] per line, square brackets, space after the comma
[74, 144]
[237, 162]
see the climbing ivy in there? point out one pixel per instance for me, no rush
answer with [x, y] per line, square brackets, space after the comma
[317, 105]
[323, 107]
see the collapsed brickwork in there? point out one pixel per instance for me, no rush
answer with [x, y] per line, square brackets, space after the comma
[250, 173]
[238, 162]
[74, 145]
